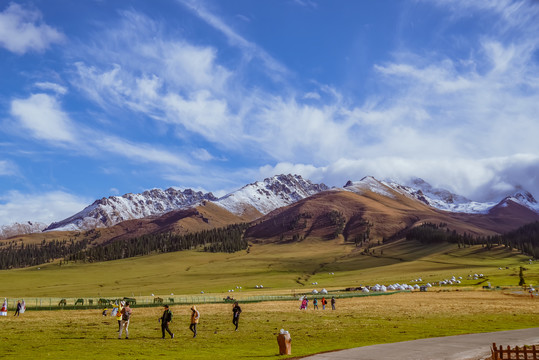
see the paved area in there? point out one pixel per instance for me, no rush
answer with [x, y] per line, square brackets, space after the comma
[460, 347]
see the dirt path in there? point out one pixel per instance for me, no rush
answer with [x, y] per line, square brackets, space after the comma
[460, 347]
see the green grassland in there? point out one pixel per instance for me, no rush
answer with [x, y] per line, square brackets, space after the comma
[282, 269]
[356, 322]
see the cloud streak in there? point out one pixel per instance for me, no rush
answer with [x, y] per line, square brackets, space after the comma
[21, 30]
[41, 207]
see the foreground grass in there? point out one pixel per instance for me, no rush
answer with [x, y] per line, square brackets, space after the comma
[356, 322]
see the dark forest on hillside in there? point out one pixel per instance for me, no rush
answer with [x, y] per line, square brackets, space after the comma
[525, 239]
[228, 239]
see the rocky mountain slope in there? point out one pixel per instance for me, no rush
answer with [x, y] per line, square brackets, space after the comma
[250, 201]
[114, 209]
[270, 194]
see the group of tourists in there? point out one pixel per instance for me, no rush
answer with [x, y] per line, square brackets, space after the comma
[123, 313]
[305, 303]
[21, 308]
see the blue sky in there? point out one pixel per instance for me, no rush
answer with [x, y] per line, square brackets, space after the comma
[101, 98]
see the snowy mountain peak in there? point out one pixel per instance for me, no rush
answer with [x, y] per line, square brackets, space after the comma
[270, 194]
[438, 198]
[369, 183]
[523, 198]
[114, 209]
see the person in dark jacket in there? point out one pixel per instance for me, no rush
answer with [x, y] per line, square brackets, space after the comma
[165, 321]
[18, 310]
[236, 310]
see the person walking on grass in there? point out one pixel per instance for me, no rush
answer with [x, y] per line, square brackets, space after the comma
[333, 303]
[165, 321]
[324, 302]
[126, 316]
[18, 310]
[315, 304]
[119, 314]
[195, 315]
[236, 311]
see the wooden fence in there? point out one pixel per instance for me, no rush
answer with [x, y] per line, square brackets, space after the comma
[526, 353]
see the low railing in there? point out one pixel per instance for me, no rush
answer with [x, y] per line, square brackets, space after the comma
[56, 303]
[526, 353]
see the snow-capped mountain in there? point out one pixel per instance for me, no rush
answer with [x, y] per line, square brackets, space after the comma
[270, 194]
[264, 196]
[441, 198]
[438, 198]
[28, 227]
[523, 198]
[114, 209]
[368, 183]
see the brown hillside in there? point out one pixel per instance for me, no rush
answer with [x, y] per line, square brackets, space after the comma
[354, 214]
[502, 218]
[37, 238]
[204, 217]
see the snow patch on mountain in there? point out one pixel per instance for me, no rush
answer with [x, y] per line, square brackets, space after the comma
[438, 198]
[270, 194]
[523, 198]
[368, 183]
[441, 199]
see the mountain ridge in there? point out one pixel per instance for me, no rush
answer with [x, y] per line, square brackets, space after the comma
[262, 197]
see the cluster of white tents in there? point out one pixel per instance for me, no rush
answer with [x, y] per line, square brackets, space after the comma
[237, 288]
[392, 287]
[475, 276]
[323, 291]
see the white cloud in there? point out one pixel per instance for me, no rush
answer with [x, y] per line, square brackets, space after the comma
[42, 115]
[140, 152]
[43, 207]
[205, 115]
[21, 30]
[307, 3]
[249, 49]
[8, 168]
[59, 89]
[202, 155]
[488, 179]
[312, 95]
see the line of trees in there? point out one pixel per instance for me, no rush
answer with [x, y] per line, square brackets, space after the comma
[525, 239]
[14, 256]
[227, 239]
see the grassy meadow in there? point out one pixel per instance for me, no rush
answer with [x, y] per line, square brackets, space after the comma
[279, 268]
[86, 334]
[282, 269]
